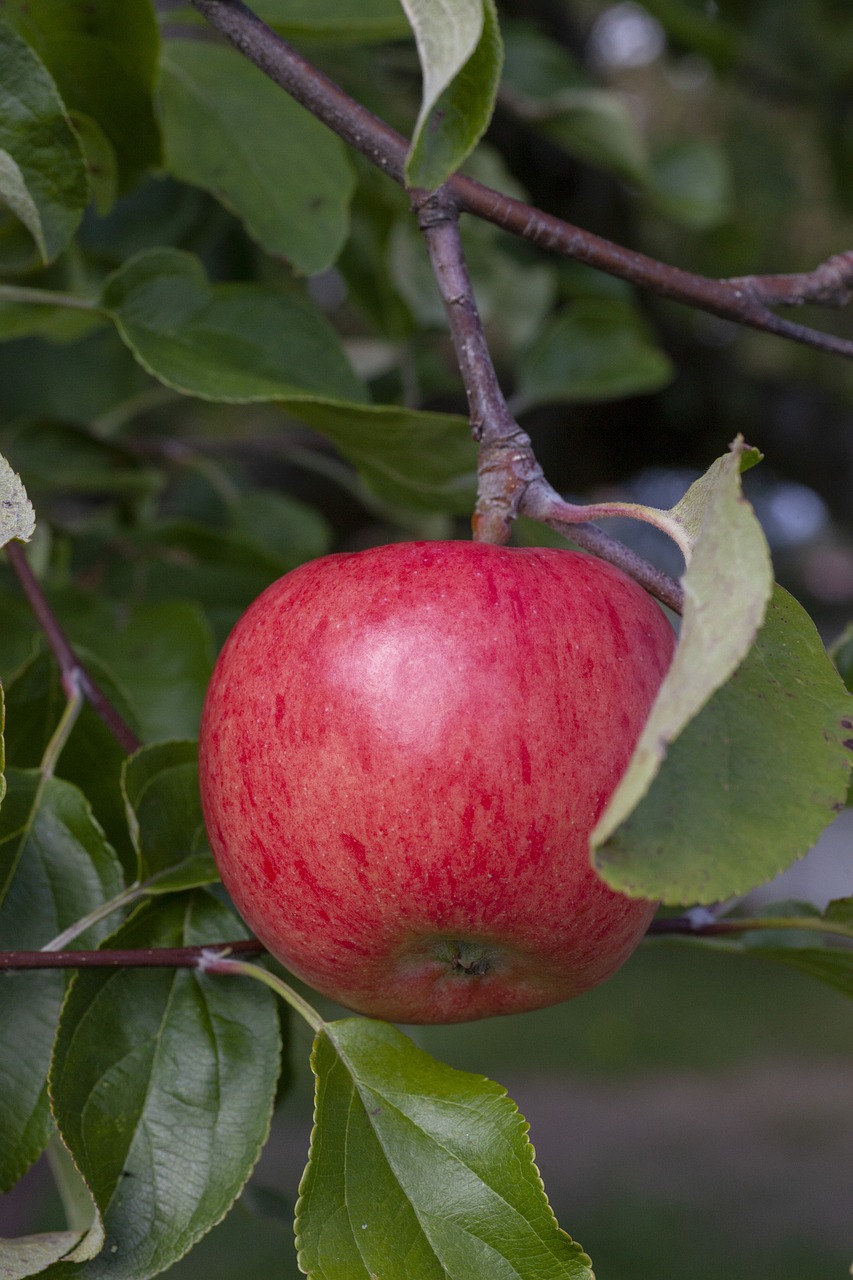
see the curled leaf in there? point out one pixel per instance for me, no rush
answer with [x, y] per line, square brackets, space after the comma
[17, 518]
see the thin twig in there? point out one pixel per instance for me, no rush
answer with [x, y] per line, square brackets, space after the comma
[688, 926]
[127, 958]
[745, 301]
[74, 674]
[213, 961]
[538, 501]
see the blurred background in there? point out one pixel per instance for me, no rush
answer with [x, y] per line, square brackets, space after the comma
[693, 1117]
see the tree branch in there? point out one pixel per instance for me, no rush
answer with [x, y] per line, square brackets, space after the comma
[745, 301]
[510, 480]
[697, 925]
[75, 677]
[127, 958]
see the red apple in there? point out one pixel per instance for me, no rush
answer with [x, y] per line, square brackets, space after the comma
[403, 753]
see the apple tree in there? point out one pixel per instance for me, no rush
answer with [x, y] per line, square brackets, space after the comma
[317, 277]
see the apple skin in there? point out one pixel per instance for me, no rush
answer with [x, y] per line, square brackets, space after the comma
[403, 753]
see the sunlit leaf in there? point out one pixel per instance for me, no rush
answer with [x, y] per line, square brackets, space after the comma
[17, 518]
[417, 1169]
[461, 54]
[28, 1255]
[726, 588]
[751, 782]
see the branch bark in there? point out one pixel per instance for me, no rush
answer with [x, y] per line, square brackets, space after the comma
[75, 677]
[510, 479]
[746, 300]
[126, 958]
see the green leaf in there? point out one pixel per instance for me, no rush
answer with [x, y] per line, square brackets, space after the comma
[17, 518]
[103, 56]
[840, 911]
[62, 457]
[536, 67]
[727, 584]
[329, 20]
[196, 871]
[597, 349]
[159, 654]
[691, 182]
[55, 867]
[842, 655]
[289, 181]
[101, 161]
[514, 293]
[25, 319]
[234, 342]
[595, 125]
[461, 55]
[750, 783]
[72, 381]
[162, 1085]
[244, 343]
[91, 758]
[416, 459]
[548, 89]
[701, 30]
[42, 178]
[160, 785]
[417, 1169]
[834, 967]
[163, 656]
[19, 636]
[262, 1247]
[223, 570]
[281, 526]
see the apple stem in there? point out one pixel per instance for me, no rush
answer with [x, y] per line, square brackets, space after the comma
[213, 961]
[124, 899]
